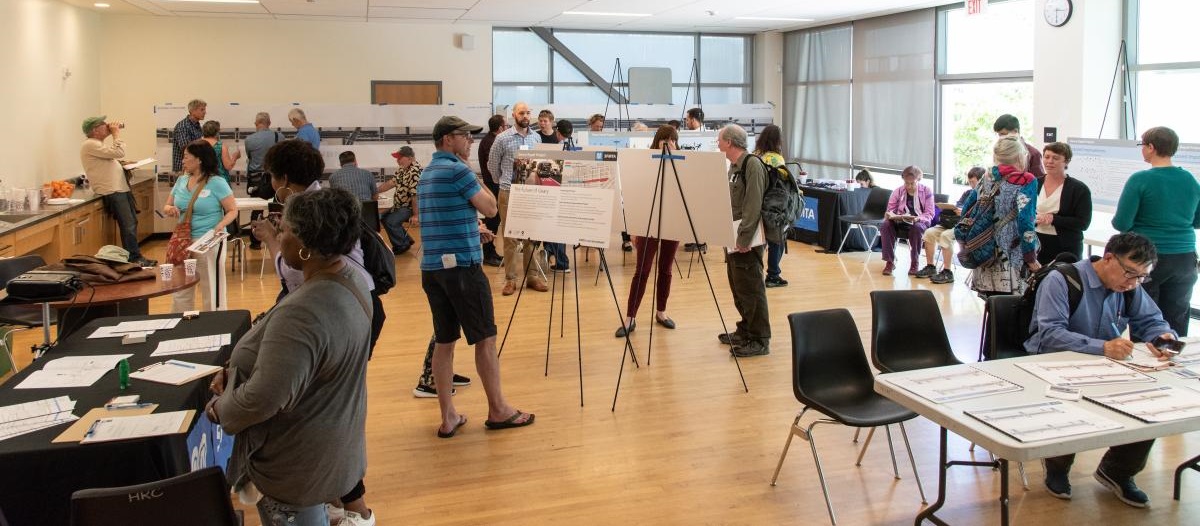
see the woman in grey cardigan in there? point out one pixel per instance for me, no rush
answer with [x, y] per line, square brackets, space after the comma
[301, 371]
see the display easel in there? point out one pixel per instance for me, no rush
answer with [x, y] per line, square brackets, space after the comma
[657, 200]
[1121, 70]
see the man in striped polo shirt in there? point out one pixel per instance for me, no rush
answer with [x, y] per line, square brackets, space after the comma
[459, 294]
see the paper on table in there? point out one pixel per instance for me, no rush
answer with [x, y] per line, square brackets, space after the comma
[945, 387]
[28, 417]
[1047, 420]
[75, 432]
[174, 372]
[1079, 373]
[1154, 404]
[127, 427]
[147, 325]
[1142, 359]
[189, 345]
[111, 332]
[71, 371]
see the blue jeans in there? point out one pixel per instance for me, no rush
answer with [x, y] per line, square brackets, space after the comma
[274, 513]
[774, 256]
[559, 252]
[120, 205]
[393, 224]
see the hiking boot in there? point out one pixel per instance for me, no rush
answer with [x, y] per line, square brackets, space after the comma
[755, 348]
[731, 338]
[926, 272]
[1125, 489]
[888, 268]
[944, 276]
[773, 282]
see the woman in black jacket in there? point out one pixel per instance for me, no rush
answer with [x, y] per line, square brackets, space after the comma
[1064, 206]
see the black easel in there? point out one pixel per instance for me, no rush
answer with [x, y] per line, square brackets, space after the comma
[658, 198]
[1121, 70]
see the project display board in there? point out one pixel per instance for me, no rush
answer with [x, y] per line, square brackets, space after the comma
[692, 140]
[702, 176]
[1105, 164]
[564, 197]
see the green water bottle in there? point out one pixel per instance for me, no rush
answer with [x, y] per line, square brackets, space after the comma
[123, 372]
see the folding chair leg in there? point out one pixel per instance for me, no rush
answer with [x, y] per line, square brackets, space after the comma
[912, 462]
[786, 446]
[892, 451]
[863, 451]
[857, 430]
[843, 243]
[820, 473]
[1024, 479]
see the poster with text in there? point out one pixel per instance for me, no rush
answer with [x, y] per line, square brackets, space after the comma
[702, 176]
[574, 215]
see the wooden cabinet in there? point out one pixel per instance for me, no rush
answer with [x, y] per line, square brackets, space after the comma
[8, 246]
[39, 238]
[84, 229]
[143, 198]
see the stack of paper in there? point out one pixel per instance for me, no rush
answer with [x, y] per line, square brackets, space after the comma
[174, 372]
[71, 371]
[1143, 360]
[31, 416]
[197, 344]
[127, 327]
[1082, 373]
[1047, 420]
[942, 387]
[1154, 404]
[127, 427]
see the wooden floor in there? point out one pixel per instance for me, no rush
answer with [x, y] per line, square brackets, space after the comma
[686, 444]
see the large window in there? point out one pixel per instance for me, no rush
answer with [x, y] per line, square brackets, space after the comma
[980, 79]
[1167, 69]
[723, 64]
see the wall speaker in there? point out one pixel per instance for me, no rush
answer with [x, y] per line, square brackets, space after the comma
[466, 42]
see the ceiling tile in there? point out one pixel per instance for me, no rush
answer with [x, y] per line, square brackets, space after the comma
[446, 4]
[414, 12]
[350, 8]
[530, 11]
[205, 7]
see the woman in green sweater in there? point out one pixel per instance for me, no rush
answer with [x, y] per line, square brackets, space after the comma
[1163, 204]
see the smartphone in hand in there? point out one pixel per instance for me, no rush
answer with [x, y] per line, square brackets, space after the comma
[1169, 346]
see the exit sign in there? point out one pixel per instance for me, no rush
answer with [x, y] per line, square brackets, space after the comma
[975, 7]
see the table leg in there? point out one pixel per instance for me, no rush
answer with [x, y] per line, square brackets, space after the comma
[1193, 463]
[1003, 492]
[928, 513]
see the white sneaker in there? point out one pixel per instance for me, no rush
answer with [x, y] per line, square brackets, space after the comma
[354, 519]
[335, 513]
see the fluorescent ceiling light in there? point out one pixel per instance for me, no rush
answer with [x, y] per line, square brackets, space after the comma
[219, 1]
[101, 5]
[772, 19]
[599, 13]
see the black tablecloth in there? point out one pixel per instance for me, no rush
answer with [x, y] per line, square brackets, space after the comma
[830, 206]
[39, 476]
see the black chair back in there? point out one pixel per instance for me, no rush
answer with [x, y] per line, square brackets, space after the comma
[1004, 329]
[199, 498]
[907, 332]
[829, 366]
[370, 214]
[876, 204]
[941, 198]
[13, 267]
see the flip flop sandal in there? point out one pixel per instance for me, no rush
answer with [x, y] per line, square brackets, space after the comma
[462, 420]
[510, 422]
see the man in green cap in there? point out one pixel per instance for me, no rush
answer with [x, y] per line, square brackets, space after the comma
[107, 178]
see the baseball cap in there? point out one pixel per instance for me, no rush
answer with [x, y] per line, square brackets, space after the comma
[92, 122]
[449, 124]
[404, 151]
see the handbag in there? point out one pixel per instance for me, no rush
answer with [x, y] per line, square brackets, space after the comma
[181, 238]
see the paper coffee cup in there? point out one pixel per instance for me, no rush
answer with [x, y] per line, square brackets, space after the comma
[189, 267]
[166, 271]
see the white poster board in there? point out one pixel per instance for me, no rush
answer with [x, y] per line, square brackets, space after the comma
[572, 170]
[574, 215]
[705, 184]
[1104, 165]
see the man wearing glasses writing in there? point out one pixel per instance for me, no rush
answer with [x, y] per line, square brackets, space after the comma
[1111, 301]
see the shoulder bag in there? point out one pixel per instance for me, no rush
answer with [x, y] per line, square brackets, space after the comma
[181, 238]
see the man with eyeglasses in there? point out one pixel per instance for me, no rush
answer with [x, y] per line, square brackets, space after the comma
[1112, 301]
[501, 163]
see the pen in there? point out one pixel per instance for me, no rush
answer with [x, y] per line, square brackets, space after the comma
[129, 406]
[1116, 330]
[181, 364]
[91, 430]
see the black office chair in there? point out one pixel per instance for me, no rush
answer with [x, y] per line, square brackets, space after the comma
[26, 316]
[199, 498]
[870, 217]
[907, 332]
[370, 214]
[830, 374]
[1003, 329]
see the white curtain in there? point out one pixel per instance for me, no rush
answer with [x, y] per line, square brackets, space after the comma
[817, 100]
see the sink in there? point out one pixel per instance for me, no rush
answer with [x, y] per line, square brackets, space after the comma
[16, 218]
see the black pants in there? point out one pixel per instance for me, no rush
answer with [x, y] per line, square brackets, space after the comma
[745, 271]
[1120, 462]
[493, 224]
[1170, 287]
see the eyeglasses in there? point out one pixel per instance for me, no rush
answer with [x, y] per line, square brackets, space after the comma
[1140, 143]
[464, 134]
[1132, 273]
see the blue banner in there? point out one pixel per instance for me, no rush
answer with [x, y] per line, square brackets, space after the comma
[808, 218]
[208, 445]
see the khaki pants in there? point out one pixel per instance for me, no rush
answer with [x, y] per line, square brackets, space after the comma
[512, 266]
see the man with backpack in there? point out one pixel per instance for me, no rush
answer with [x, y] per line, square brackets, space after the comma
[1090, 315]
[744, 265]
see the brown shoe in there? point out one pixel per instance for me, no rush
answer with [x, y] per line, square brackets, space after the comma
[539, 285]
[510, 287]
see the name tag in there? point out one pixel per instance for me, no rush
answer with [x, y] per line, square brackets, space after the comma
[205, 192]
[449, 261]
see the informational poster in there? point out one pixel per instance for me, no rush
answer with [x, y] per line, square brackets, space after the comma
[702, 176]
[1104, 165]
[574, 215]
[620, 139]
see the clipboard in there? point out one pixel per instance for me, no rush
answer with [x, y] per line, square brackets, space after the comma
[80, 427]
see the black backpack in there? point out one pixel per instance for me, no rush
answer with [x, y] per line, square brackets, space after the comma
[378, 261]
[1065, 264]
[783, 202]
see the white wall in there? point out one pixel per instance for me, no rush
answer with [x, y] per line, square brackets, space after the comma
[768, 71]
[42, 112]
[153, 60]
[1073, 69]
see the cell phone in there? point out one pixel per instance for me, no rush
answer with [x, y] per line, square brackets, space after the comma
[1171, 346]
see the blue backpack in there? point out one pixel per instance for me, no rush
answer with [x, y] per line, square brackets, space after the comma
[976, 231]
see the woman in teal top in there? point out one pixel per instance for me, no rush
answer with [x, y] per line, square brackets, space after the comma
[1163, 204]
[213, 210]
[212, 135]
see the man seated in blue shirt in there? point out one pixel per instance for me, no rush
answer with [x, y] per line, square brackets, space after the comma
[1096, 327]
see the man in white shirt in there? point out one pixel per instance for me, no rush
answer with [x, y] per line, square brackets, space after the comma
[104, 172]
